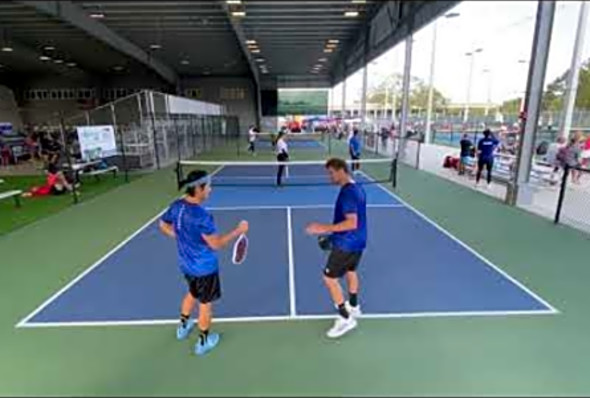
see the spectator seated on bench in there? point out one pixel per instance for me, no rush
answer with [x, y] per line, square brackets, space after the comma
[56, 184]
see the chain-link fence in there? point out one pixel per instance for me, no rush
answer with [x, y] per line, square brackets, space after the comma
[573, 205]
[155, 130]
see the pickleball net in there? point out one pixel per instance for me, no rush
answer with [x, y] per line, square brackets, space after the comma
[296, 173]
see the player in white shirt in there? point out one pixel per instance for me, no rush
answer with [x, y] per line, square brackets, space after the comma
[282, 151]
[252, 140]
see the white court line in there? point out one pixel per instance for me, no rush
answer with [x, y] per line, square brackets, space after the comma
[468, 248]
[296, 207]
[88, 270]
[284, 318]
[292, 305]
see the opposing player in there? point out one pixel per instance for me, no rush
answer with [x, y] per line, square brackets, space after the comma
[252, 134]
[197, 241]
[348, 237]
[282, 150]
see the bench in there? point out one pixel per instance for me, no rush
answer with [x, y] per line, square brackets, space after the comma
[97, 173]
[12, 194]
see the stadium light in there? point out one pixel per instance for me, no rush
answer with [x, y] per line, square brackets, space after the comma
[351, 14]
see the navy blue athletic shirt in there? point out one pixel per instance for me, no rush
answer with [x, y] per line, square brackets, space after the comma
[486, 147]
[351, 199]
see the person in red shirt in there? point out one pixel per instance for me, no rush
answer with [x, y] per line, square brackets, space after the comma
[56, 184]
[585, 155]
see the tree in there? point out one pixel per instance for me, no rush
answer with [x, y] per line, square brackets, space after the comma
[511, 106]
[392, 86]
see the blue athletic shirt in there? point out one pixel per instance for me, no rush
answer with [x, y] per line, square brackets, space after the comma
[486, 147]
[351, 199]
[355, 145]
[190, 222]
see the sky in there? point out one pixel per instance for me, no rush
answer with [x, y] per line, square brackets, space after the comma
[502, 29]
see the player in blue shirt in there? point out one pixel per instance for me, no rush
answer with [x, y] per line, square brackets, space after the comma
[354, 148]
[485, 149]
[197, 241]
[349, 239]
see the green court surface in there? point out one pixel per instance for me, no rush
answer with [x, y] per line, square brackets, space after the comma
[496, 355]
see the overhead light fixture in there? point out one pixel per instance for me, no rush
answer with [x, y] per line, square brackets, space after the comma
[185, 62]
[155, 46]
[329, 45]
[118, 68]
[49, 48]
[333, 41]
[359, 1]
[234, 1]
[238, 13]
[259, 59]
[328, 50]
[250, 41]
[351, 14]
[253, 46]
[256, 51]
[7, 49]
[323, 60]
[71, 64]
[44, 58]
[58, 61]
[96, 15]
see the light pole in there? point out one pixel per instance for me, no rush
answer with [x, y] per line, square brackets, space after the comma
[431, 79]
[489, 94]
[471, 55]
[523, 62]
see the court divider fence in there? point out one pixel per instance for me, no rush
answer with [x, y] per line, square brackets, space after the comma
[153, 130]
[573, 204]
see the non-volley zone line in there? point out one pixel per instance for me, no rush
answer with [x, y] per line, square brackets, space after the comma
[285, 318]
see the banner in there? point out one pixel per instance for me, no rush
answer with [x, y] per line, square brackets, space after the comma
[96, 142]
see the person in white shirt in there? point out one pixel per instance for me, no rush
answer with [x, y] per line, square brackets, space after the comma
[252, 139]
[282, 151]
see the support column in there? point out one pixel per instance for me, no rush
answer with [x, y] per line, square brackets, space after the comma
[364, 98]
[344, 96]
[405, 95]
[520, 192]
[431, 86]
[574, 73]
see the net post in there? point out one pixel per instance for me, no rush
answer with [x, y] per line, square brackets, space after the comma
[179, 173]
[394, 173]
[566, 172]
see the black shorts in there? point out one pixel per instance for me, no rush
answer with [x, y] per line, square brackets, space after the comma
[341, 262]
[205, 289]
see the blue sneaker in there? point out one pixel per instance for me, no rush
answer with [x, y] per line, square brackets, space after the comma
[210, 343]
[183, 331]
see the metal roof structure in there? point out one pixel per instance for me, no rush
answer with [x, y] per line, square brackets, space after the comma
[277, 42]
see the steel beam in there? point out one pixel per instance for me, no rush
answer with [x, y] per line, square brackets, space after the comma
[70, 13]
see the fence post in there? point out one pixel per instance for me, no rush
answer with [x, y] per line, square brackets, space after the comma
[67, 150]
[154, 132]
[120, 134]
[566, 172]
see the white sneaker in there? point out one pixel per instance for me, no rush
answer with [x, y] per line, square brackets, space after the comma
[341, 327]
[355, 312]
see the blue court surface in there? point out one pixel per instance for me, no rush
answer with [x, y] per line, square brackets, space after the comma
[411, 267]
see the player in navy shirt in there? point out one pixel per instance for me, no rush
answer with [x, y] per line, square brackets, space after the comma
[354, 148]
[485, 149]
[348, 238]
[197, 241]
